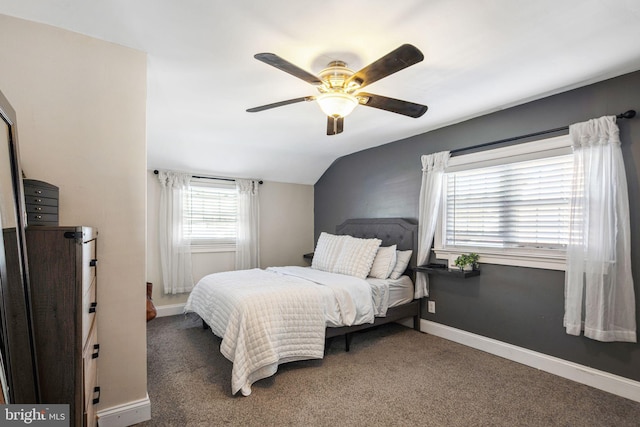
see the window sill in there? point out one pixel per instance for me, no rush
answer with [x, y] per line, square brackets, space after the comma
[209, 249]
[531, 260]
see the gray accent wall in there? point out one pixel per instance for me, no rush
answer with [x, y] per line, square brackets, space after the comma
[519, 306]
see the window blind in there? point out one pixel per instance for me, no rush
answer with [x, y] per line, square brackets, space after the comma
[513, 205]
[211, 213]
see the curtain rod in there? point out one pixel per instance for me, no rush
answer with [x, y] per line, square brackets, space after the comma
[626, 115]
[210, 177]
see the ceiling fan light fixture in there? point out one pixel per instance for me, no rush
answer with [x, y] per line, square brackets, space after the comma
[337, 104]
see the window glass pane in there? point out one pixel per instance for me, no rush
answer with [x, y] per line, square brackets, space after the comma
[211, 213]
[513, 205]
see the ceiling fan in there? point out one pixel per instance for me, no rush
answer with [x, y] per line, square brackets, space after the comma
[340, 88]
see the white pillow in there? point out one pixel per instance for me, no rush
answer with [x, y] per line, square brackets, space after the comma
[384, 262]
[356, 256]
[327, 251]
[403, 258]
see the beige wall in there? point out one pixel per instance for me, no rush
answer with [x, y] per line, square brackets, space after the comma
[81, 106]
[286, 233]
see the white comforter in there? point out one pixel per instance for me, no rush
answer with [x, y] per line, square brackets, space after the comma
[278, 315]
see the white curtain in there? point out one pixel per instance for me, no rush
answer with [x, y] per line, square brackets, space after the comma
[433, 166]
[248, 243]
[599, 295]
[175, 248]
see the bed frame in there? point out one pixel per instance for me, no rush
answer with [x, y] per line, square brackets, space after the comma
[392, 231]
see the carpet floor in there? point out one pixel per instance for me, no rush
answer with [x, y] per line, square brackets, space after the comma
[393, 376]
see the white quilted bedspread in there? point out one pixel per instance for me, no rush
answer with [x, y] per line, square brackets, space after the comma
[274, 316]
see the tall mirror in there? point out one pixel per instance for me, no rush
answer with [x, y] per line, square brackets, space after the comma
[18, 374]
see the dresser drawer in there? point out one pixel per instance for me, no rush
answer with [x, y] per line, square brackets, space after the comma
[42, 209]
[89, 308]
[40, 191]
[90, 416]
[90, 376]
[89, 264]
[42, 218]
[40, 201]
[90, 355]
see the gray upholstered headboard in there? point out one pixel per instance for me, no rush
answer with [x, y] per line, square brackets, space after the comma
[392, 231]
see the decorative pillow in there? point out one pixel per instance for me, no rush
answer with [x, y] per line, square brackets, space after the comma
[403, 258]
[327, 251]
[384, 262]
[356, 256]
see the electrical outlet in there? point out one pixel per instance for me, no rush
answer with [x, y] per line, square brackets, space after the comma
[431, 306]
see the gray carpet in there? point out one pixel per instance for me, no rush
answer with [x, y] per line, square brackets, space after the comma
[393, 376]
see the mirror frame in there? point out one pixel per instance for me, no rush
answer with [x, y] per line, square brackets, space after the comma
[19, 360]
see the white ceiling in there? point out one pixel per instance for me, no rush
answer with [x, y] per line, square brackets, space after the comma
[480, 56]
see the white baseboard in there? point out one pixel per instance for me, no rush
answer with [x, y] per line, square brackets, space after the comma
[125, 415]
[170, 310]
[601, 380]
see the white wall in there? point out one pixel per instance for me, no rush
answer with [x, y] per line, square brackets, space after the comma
[286, 233]
[81, 116]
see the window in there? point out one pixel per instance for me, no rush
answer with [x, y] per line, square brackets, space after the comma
[211, 214]
[511, 205]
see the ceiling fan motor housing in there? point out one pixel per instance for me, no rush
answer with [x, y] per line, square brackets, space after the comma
[335, 77]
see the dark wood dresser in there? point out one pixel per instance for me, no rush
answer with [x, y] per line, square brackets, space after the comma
[62, 270]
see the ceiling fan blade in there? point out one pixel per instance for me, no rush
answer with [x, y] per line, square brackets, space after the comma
[403, 57]
[280, 104]
[286, 66]
[335, 125]
[398, 106]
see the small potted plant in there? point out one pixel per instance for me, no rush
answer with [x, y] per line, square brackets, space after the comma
[462, 263]
[466, 262]
[472, 258]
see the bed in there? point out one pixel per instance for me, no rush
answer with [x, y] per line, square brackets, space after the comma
[282, 314]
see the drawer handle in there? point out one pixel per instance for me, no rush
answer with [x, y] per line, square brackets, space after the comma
[93, 262]
[92, 307]
[37, 200]
[38, 191]
[38, 208]
[96, 400]
[96, 351]
[38, 216]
